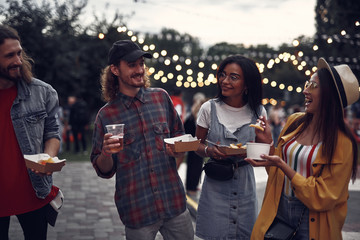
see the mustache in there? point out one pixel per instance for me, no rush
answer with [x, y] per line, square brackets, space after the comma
[14, 66]
[138, 75]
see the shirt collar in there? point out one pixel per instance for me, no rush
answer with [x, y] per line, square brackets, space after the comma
[126, 100]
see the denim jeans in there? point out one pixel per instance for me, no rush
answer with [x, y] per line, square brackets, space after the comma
[177, 228]
[290, 209]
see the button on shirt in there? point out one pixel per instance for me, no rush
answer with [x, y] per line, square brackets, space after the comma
[148, 187]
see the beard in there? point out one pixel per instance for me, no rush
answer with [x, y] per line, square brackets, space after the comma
[5, 74]
[133, 81]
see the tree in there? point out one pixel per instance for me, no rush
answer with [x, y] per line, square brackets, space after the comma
[70, 55]
[337, 35]
[67, 54]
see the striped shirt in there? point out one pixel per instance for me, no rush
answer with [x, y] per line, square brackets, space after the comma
[300, 158]
[148, 187]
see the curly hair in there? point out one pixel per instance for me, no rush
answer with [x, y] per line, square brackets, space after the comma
[7, 32]
[110, 84]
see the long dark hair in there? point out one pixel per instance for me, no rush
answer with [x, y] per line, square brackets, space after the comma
[7, 32]
[252, 79]
[330, 120]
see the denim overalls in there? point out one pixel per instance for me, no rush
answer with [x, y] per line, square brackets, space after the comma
[228, 209]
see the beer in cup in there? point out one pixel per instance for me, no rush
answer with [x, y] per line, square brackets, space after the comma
[117, 131]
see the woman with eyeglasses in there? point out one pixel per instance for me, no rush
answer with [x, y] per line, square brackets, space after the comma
[315, 159]
[228, 206]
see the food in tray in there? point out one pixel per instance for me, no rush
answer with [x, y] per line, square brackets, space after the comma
[257, 125]
[233, 149]
[236, 146]
[44, 161]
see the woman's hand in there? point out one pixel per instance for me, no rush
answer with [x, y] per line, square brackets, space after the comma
[273, 160]
[214, 152]
[263, 136]
[267, 161]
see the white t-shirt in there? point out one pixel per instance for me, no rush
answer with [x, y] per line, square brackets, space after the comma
[231, 117]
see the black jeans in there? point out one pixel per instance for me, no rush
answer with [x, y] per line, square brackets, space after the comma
[76, 130]
[193, 171]
[34, 225]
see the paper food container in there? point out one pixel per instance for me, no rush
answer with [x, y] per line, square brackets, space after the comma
[227, 150]
[232, 151]
[184, 143]
[254, 150]
[32, 161]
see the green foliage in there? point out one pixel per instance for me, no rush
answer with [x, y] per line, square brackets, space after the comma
[332, 17]
[65, 55]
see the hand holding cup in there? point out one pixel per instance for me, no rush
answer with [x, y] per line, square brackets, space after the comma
[117, 132]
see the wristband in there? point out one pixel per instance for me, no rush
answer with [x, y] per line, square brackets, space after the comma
[205, 150]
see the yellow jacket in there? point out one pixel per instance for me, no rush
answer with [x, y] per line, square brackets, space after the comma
[325, 196]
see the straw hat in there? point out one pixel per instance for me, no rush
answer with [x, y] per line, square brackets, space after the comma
[345, 81]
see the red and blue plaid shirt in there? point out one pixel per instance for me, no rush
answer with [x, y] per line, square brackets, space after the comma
[148, 187]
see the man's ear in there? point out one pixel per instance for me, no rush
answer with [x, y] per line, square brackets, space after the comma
[114, 70]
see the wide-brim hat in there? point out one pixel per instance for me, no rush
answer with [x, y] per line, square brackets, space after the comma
[345, 81]
[125, 50]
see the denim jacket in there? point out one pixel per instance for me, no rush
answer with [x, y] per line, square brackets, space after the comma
[34, 117]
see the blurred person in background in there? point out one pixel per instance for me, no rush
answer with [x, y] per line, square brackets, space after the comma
[78, 121]
[176, 98]
[67, 128]
[314, 161]
[194, 162]
[277, 116]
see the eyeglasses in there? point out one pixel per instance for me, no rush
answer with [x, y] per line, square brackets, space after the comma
[232, 76]
[311, 85]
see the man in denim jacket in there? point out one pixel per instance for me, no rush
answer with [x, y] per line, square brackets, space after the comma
[28, 125]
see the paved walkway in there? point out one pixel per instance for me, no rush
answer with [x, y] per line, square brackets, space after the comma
[89, 212]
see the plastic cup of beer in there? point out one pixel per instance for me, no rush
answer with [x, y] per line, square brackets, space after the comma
[117, 131]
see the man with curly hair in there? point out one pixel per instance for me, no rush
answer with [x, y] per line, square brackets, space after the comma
[149, 193]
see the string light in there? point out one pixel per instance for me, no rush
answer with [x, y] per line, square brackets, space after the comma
[211, 79]
[101, 36]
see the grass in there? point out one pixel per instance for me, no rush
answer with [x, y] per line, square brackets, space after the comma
[72, 157]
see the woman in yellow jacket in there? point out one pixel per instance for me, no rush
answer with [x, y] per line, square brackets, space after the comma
[314, 160]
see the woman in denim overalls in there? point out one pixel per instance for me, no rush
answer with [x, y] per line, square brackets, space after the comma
[228, 209]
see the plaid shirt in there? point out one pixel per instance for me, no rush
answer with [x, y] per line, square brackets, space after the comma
[148, 187]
